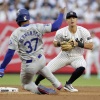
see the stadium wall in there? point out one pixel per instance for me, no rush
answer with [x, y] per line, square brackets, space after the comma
[50, 51]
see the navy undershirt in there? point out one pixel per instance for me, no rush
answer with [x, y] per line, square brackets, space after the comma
[7, 58]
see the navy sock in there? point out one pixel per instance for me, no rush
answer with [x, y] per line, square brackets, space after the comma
[76, 74]
[39, 79]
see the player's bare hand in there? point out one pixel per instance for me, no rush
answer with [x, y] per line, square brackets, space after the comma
[75, 43]
[62, 10]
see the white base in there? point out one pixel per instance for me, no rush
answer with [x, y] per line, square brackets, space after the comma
[8, 89]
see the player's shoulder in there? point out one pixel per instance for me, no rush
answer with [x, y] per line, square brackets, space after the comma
[16, 31]
[83, 29]
[19, 29]
[40, 24]
[62, 29]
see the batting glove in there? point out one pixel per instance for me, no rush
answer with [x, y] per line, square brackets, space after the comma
[1, 73]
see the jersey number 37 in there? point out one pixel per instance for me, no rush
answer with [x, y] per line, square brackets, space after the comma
[28, 44]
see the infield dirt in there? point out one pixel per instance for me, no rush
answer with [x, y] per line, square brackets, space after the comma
[85, 93]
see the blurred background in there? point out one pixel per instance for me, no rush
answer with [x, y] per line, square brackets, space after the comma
[46, 11]
[88, 11]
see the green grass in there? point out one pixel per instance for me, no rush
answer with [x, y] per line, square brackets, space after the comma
[93, 81]
[14, 79]
[10, 79]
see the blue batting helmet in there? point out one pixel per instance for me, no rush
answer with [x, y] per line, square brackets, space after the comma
[22, 15]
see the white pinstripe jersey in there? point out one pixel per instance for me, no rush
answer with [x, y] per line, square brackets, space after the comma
[82, 34]
[28, 40]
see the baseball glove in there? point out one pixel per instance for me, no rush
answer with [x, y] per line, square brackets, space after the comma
[67, 45]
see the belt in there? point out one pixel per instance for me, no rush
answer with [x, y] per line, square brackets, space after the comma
[29, 61]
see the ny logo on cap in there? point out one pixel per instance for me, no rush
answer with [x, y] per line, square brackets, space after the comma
[71, 13]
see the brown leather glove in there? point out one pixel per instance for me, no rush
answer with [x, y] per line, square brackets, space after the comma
[67, 45]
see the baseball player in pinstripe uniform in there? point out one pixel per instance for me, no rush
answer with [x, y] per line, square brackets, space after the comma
[72, 39]
[92, 56]
[27, 41]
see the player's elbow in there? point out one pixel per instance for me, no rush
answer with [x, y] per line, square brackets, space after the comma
[88, 46]
[55, 28]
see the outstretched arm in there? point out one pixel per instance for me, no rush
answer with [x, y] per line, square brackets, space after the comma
[6, 61]
[56, 25]
[7, 58]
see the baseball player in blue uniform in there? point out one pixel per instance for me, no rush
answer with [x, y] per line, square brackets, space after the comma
[27, 41]
[72, 39]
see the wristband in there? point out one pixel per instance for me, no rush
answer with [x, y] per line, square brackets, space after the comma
[58, 44]
[80, 44]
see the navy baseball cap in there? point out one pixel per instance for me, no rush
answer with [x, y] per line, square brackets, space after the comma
[71, 14]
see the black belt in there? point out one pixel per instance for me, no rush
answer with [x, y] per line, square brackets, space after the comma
[29, 61]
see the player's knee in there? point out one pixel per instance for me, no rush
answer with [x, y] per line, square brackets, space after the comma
[81, 69]
[31, 87]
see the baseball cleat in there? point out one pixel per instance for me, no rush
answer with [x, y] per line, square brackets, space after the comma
[70, 88]
[44, 90]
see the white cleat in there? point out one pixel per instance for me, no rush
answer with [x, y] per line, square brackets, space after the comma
[70, 88]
